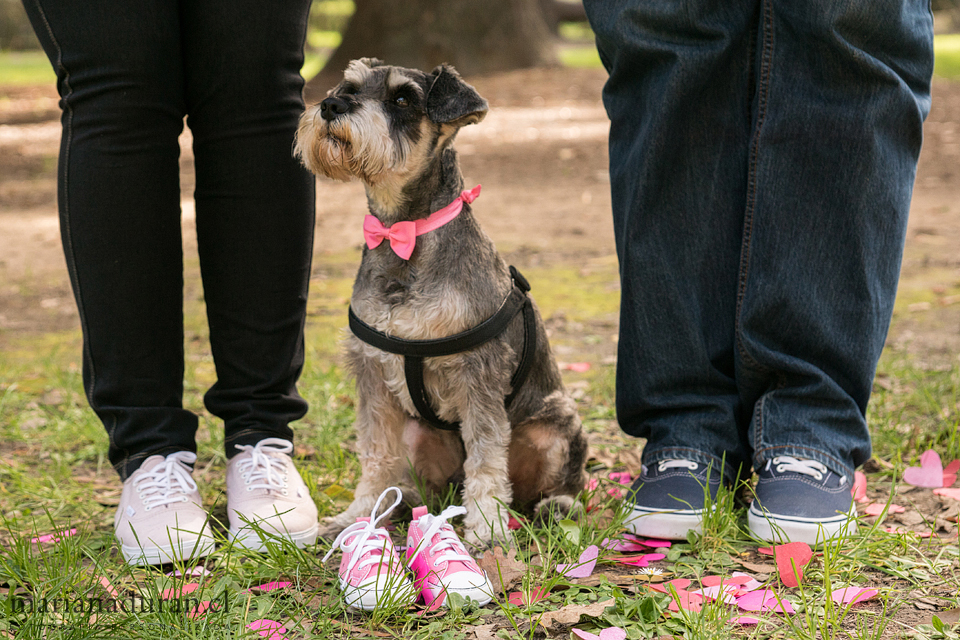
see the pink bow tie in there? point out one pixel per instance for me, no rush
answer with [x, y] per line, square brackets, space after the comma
[403, 235]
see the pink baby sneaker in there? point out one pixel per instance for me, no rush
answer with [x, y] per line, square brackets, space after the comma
[371, 574]
[439, 561]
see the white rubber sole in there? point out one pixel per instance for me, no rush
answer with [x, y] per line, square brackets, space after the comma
[390, 589]
[661, 524]
[779, 529]
[186, 549]
[250, 539]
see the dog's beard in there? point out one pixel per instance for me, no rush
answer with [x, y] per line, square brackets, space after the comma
[358, 145]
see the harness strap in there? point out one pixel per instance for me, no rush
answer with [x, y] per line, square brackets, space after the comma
[414, 351]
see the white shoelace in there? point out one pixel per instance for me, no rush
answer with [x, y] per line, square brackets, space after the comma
[810, 468]
[262, 470]
[663, 465]
[449, 542]
[366, 536]
[168, 482]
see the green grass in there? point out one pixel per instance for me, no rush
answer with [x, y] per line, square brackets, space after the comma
[53, 474]
[946, 51]
[25, 68]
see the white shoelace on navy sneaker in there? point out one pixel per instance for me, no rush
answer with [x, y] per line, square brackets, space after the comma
[363, 537]
[810, 468]
[663, 465]
[168, 482]
[262, 470]
[449, 547]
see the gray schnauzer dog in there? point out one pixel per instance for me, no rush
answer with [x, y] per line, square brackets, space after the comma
[393, 128]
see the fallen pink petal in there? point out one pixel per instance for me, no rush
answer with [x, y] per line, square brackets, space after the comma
[176, 592]
[953, 493]
[641, 561]
[200, 609]
[929, 474]
[687, 601]
[610, 633]
[623, 477]
[652, 543]
[791, 559]
[584, 567]
[853, 595]
[578, 367]
[901, 532]
[748, 582]
[744, 620]
[664, 587]
[57, 536]
[108, 587]
[876, 508]
[859, 489]
[270, 629]
[755, 600]
[592, 484]
[520, 598]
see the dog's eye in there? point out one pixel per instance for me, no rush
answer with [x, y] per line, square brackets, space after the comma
[401, 101]
[349, 90]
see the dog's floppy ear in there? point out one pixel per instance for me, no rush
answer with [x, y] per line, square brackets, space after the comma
[450, 100]
[372, 62]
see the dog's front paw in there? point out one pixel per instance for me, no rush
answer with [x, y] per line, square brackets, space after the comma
[556, 508]
[486, 537]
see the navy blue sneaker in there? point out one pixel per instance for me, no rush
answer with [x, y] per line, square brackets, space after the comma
[801, 501]
[667, 499]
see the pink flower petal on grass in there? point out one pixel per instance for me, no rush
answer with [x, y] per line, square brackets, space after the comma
[755, 600]
[791, 558]
[744, 620]
[876, 508]
[929, 474]
[513, 524]
[108, 587]
[652, 543]
[687, 601]
[722, 593]
[901, 532]
[641, 561]
[584, 566]
[853, 595]
[200, 609]
[765, 551]
[615, 493]
[577, 367]
[56, 536]
[610, 633]
[950, 473]
[664, 587]
[176, 592]
[859, 489]
[747, 581]
[270, 629]
[623, 477]
[948, 493]
[536, 595]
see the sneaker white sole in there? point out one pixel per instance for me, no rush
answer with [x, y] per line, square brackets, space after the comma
[250, 539]
[779, 529]
[383, 591]
[187, 549]
[668, 525]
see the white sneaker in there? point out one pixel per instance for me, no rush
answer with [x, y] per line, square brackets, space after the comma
[160, 518]
[266, 497]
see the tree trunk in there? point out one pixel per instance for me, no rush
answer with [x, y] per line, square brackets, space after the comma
[475, 36]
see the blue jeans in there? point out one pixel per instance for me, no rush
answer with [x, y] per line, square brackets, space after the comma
[762, 159]
[128, 73]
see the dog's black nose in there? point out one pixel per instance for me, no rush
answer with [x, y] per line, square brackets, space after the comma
[332, 108]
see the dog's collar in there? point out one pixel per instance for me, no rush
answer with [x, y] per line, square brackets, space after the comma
[403, 235]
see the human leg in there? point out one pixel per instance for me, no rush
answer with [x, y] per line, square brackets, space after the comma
[118, 69]
[842, 93]
[119, 199]
[255, 208]
[679, 99]
[255, 218]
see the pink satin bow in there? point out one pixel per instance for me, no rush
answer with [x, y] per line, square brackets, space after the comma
[403, 235]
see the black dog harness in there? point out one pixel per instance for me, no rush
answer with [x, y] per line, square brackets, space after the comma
[414, 351]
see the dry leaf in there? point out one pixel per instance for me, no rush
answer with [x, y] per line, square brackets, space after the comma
[484, 632]
[502, 570]
[757, 567]
[571, 613]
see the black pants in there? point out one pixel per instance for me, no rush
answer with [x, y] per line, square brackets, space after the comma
[128, 73]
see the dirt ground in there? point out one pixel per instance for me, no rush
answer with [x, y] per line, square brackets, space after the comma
[541, 157]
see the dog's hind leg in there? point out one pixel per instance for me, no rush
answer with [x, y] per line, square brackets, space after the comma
[547, 456]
